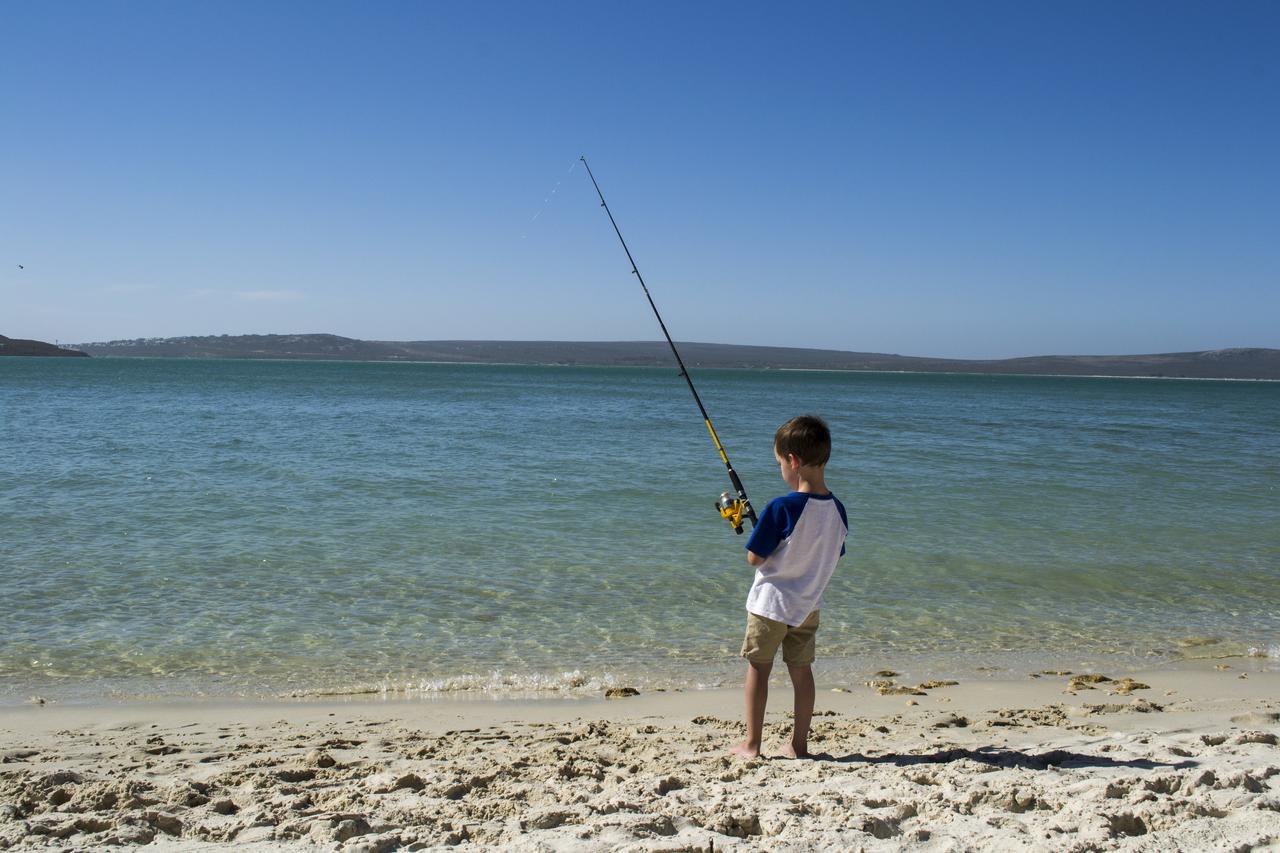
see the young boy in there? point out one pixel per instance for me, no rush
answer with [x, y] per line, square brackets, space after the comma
[794, 549]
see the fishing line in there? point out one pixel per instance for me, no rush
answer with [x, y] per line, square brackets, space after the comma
[546, 202]
[732, 509]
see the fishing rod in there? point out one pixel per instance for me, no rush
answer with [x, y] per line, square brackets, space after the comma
[732, 509]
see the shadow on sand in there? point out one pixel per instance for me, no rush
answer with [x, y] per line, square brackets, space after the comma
[1009, 758]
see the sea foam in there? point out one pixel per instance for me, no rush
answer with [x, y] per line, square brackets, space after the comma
[1272, 651]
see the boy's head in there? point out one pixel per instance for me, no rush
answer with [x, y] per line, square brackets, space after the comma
[806, 437]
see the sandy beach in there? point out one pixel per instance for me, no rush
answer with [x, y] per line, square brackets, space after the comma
[1170, 760]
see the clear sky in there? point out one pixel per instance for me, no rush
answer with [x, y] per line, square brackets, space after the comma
[948, 179]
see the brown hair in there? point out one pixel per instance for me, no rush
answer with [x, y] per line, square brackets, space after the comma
[807, 436]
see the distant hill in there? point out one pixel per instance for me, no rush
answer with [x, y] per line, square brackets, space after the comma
[1239, 363]
[17, 346]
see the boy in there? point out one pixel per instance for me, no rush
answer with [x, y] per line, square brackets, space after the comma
[794, 549]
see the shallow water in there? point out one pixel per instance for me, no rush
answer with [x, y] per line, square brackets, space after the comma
[252, 527]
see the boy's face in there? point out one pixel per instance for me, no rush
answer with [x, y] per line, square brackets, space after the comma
[789, 468]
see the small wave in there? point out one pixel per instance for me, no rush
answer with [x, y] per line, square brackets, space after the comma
[1272, 651]
[496, 683]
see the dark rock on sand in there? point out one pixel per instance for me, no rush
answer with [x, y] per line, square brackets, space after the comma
[900, 690]
[1128, 685]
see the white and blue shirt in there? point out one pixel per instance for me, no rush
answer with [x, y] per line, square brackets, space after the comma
[801, 536]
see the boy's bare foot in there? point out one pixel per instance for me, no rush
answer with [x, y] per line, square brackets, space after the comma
[744, 750]
[792, 752]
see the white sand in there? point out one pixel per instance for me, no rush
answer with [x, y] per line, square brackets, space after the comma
[1005, 765]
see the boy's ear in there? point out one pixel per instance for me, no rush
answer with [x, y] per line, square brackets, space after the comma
[796, 461]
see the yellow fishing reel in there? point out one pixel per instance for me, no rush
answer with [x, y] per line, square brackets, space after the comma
[731, 510]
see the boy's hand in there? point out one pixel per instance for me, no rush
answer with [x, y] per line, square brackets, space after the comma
[754, 559]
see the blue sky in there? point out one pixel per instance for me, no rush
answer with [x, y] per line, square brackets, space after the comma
[966, 180]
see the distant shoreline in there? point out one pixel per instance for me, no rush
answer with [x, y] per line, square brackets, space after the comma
[21, 347]
[1026, 375]
[1237, 363]
[304, 360]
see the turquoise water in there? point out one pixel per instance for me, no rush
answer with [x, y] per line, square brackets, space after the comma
[260, 528]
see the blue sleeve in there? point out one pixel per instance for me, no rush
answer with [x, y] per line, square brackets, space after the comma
[844, 518]
[774, 526]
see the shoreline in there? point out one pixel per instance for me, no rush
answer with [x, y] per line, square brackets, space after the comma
[976, 694]
[1186, 760]
[573, 686]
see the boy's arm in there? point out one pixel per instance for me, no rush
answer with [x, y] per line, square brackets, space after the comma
[766, 533]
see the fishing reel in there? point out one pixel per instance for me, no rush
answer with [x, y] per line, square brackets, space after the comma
[731, 510]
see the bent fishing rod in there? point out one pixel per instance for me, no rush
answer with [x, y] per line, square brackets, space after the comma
[732, 509]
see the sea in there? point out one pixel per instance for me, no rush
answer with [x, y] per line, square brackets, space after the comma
[175, 529]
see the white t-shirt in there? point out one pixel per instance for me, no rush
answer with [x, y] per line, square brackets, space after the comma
[801, 536]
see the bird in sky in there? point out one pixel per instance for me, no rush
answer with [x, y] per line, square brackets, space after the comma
[21, 267]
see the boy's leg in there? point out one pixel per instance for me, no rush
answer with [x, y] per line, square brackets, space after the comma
[759, 647]
[757, 695]
[802, 683]
[798, 651]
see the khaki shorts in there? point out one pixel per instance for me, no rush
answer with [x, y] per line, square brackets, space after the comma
[765, 635]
